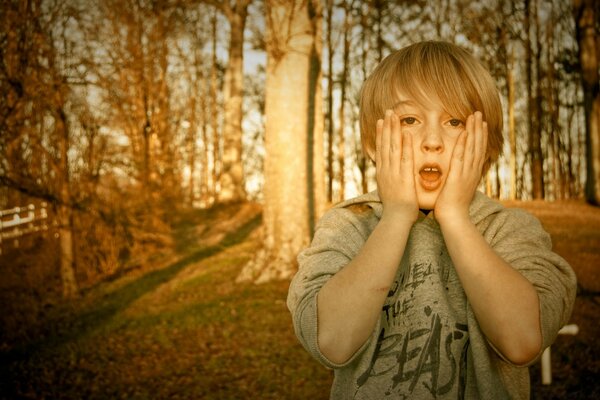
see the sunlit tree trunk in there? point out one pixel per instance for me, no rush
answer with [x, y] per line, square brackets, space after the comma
[330, 83]
[290, 46]
[170, 182]
[342, 112]
[214, 103]
[231, 178]
[206, 170]
[363, 160]
[379, 8]
[587, 14]
[507, 48]
[203, 122]
[316, 160]
[192, 151]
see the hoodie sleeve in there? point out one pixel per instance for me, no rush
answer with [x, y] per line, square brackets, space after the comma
[339, 236]
[519, 238]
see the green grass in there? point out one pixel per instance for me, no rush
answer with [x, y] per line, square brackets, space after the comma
[186, 331]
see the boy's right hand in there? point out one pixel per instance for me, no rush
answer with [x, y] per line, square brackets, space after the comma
[395, 170]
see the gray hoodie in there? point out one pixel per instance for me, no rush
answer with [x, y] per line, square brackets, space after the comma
[427, 342]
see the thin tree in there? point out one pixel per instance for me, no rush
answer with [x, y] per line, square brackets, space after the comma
[231, 177]
[347, 7]
[330, 84]
[317, 195]
[214, 107]
[534, 106]
[587, 17]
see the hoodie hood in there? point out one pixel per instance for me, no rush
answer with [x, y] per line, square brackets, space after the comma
[481, 206]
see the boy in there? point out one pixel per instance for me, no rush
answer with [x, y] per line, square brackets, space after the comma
[426, 288]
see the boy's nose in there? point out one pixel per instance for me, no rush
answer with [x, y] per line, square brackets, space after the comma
[432, 142]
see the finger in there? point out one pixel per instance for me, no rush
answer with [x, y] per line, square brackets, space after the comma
[407, 163]
[457, 161]
[469, 154]
[395, 143]
[477, 154]
[385, 139]
[484, 135]
[379, 132]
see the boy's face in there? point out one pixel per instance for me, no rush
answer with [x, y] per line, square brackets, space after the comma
[434, 134]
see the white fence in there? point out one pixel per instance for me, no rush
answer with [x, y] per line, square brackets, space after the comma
[20, 221]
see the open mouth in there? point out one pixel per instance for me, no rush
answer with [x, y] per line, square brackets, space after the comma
[431, 176]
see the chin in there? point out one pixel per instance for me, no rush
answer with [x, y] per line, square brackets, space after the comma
[427, 200]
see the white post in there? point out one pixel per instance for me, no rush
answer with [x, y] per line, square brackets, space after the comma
[546, 361]
[546, 367]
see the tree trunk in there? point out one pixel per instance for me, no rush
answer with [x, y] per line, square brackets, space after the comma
[363, 160]
[290, 45]
[342, 116]
[379, 4]
[587, 13]
[192, 150]
[535, 139]
[330, 81]
[214, 103]
[65, 218]
[232, 187]
[553, 101]
[316, 160]
[510, 81]
[205, 155]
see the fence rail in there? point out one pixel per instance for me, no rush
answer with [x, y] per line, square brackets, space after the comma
[20, 221]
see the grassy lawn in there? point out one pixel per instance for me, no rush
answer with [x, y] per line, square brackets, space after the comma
[186, 331]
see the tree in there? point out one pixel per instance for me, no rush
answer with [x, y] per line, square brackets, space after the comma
[587, 20]
[132, 70]
[291, 87]
[534, 105]
[214, 106]
[317, 195]
[35, 130]
[330, 83]
[231, 177]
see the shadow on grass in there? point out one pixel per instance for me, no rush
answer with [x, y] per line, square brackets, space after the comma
[101, 314]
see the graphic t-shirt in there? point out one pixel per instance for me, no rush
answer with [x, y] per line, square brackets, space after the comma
[423, 340]
[427, 343]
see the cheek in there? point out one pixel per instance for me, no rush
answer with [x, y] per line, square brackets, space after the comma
[450, 140]
[449, 145]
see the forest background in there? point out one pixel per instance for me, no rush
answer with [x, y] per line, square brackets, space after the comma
[121, 121]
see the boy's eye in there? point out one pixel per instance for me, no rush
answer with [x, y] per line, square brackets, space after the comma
[408, 120]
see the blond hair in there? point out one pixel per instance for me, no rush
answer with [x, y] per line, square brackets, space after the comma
[428, 71]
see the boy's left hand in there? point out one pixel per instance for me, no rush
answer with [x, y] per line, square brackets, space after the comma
[466, 166]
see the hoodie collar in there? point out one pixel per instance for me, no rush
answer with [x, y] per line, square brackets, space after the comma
[480, 208]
